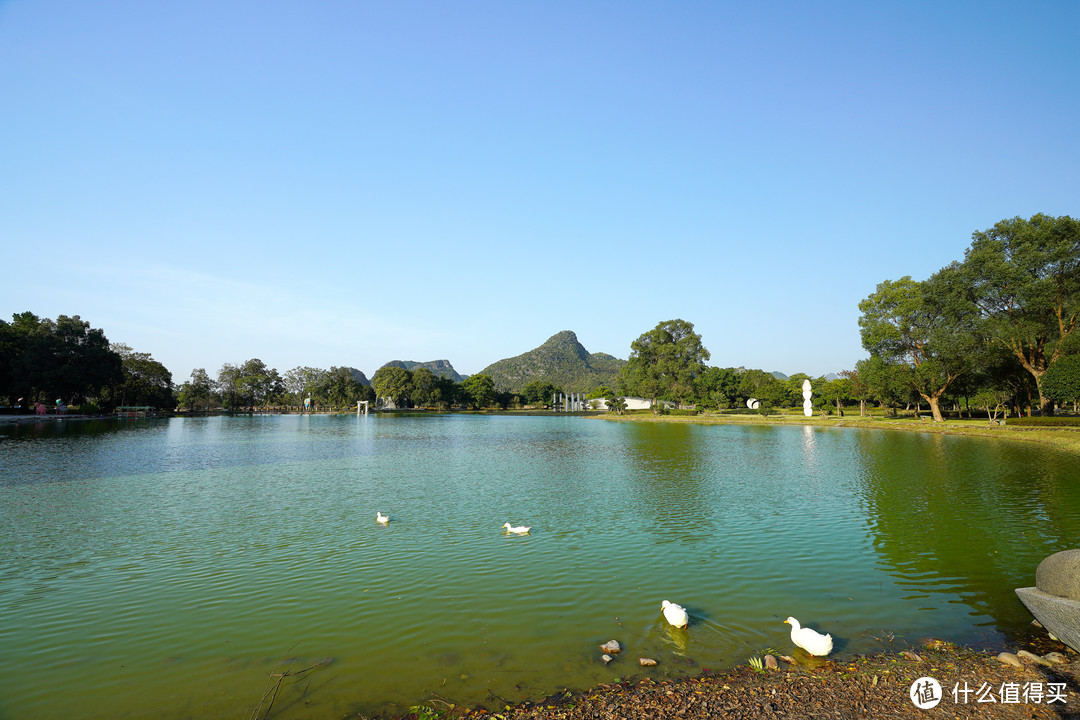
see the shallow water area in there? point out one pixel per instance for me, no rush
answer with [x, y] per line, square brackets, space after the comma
[158, 567]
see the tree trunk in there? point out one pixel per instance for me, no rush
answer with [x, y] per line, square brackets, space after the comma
[935, 410]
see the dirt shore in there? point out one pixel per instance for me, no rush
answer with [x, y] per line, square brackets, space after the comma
[972, 685]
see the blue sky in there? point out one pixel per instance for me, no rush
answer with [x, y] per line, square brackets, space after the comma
[347, 183]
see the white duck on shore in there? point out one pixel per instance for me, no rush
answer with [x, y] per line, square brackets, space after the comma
[809, 640]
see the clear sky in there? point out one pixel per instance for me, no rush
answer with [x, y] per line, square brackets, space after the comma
[348, 182]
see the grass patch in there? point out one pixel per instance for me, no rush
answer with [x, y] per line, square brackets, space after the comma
[1063, 437]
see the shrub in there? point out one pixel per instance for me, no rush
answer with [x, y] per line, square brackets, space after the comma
[1055, 421]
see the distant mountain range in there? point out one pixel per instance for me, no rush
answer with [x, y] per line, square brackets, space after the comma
[561, 361]
[781, 376]
[440, 368]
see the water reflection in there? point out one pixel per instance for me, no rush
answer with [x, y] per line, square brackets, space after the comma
[199, 550]
[965, 519]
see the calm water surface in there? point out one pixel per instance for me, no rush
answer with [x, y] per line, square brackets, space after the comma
[163, 568]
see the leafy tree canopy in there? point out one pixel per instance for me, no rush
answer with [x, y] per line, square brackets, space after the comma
[1024, 276]
[1062, 380]
[665, 362]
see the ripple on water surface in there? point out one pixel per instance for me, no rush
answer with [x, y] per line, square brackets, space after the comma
[172, 563]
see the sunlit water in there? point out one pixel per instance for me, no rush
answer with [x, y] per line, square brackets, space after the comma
[163, 569]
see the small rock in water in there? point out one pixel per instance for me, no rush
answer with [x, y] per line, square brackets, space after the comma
[770, 662]
[1056, 657]
[1009, 659]
[647, 662]
[606, 658]
[1031, 657]
[612, 646]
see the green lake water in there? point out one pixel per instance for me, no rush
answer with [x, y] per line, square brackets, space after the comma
[164, 568]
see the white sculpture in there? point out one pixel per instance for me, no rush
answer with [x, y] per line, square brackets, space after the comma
[807, 406]
[753, 403]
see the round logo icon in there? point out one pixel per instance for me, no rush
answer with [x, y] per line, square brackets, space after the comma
[925, 693]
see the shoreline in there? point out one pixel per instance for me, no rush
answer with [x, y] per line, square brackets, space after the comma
[875, 685]
[1063, 438]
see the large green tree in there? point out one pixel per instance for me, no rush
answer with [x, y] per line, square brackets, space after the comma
[305, 382]
[64, 359]
[1024, 275]
[860, 387]
[538, 392]
[479, 390]
[250, 385]
[887, 382]
[340, 388]
[394, 383]
[425, 388]
[664, 363]
[197, 392]
[926, 325]
[717, 387]
[1061, 382]
[764, 387]
[145, 380]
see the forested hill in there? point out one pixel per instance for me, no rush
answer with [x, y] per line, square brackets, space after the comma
[440, 368]
[561, 361]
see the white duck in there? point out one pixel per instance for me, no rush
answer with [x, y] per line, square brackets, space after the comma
[379, 517]
[518, 530]
[809, 640]
[675, 614]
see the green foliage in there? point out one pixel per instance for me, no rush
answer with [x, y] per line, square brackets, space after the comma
[717, 388]
[1024, 276]
[339, 387]
[664, 363]
[425, 388]
[1062, 380]
[478, 390]
[43, 359]
[1046, 421]
[924, 325]
[250, 385]
[539, 392]
[198, 392]
[439, 368]
[145, 381]
[764, 387]
[614, 402]
[561, 362]
[393, 382]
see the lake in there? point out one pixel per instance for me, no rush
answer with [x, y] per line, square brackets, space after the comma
[164, 568]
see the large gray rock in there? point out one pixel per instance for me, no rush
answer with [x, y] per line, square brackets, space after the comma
[1059, 575]
[1060, 616]
[1055, 599]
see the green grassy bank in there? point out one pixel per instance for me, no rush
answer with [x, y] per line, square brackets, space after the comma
[1064, 438]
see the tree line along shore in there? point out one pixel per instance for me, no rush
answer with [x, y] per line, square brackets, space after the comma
[995, 332]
